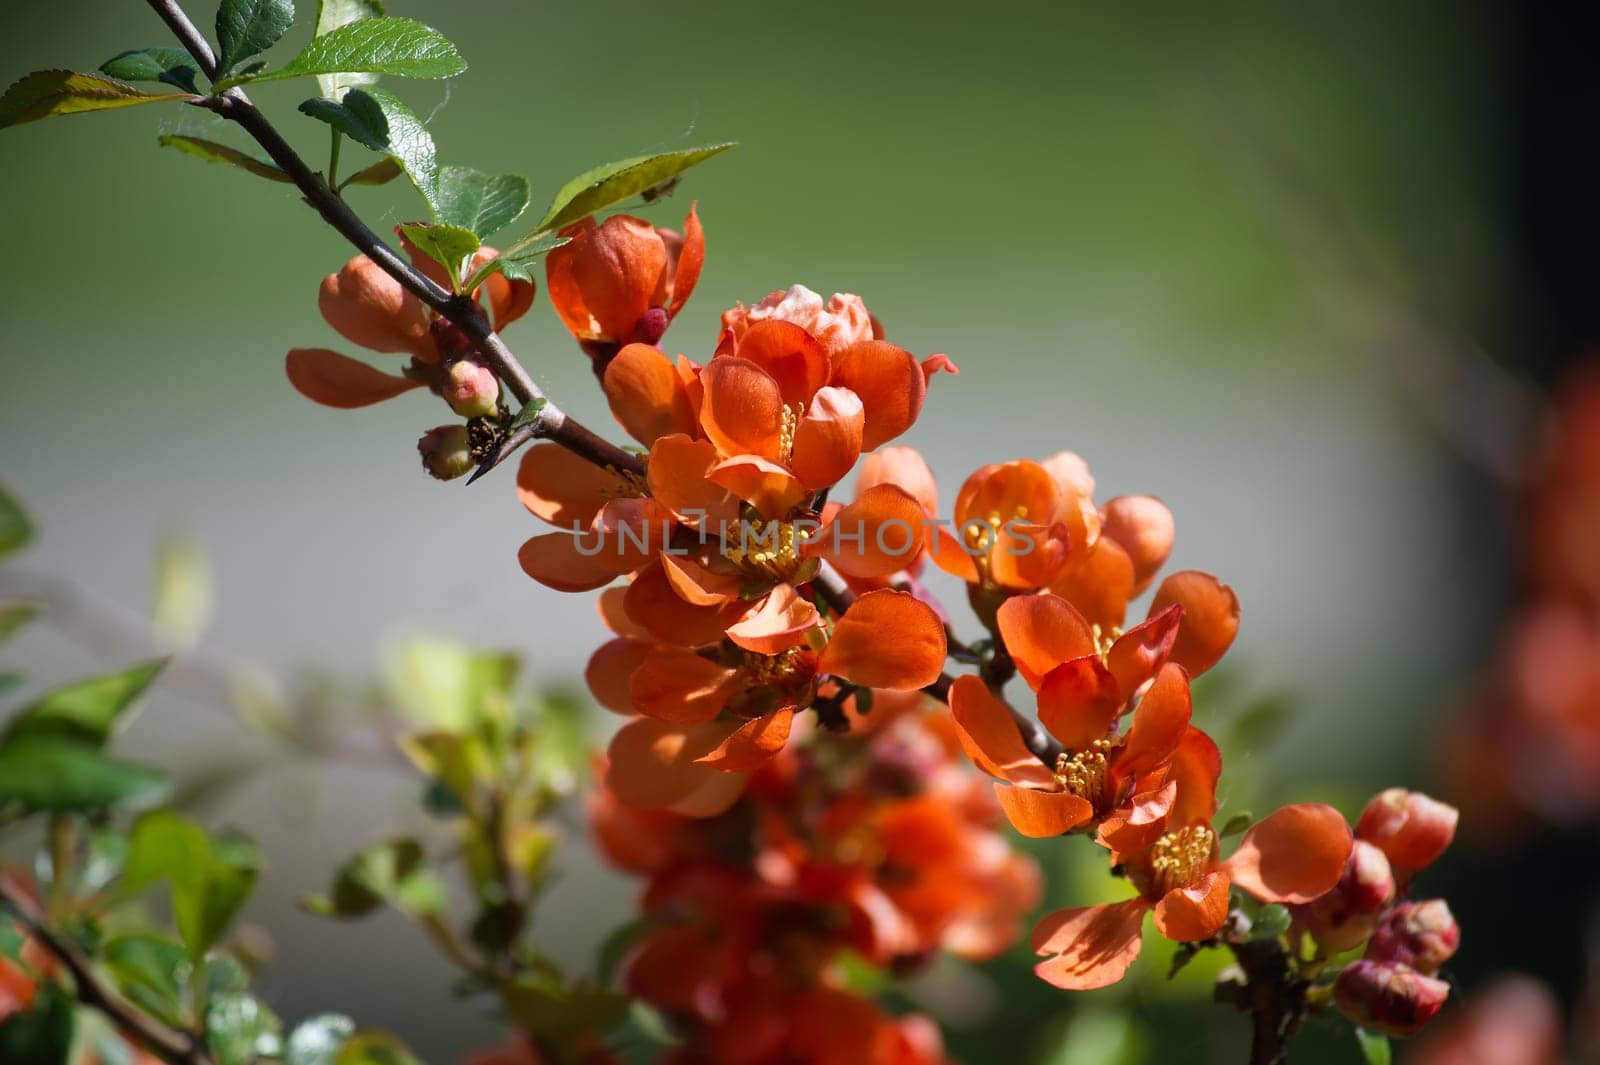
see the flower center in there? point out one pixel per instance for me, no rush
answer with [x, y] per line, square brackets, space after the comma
[766, 549]
[1086, 774]
[1180, 858]
[791, 421]
[1104, 637]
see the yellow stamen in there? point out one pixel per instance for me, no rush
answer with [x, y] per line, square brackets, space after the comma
[1085, 774]
[1180, 858]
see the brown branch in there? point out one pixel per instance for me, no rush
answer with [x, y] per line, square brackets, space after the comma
[1274, 997]
[171, 1045]
[551, 423]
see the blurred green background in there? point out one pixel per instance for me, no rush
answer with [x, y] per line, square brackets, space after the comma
[1208, 248]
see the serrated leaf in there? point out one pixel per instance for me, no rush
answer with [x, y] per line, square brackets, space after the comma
[402, 136]
[182, 596]
[46, 93]
[174, 66]
[331, 14]
[42, 1033]
[240, 1029]
[316, 1040]
[1271, 921]
[595, 190]
[55, 773]
[382, 172]
[515, 261]
[480, 202]
[401, 47]
[449, 246]
[213, 152]
[1374, 1046]
[247, 28]
[86, 710]
[374, 1048]
[358, 117]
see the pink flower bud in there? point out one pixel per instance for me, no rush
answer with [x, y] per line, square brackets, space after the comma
[1411, 828]
[1344, 917]
[471, 389]
[446, 451]
[451, 342]
[1388, 997]
[1423, 935]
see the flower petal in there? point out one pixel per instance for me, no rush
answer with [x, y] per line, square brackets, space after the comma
[1196, 766]
[1190, 914]
[675, 684]
[691, 257]
[1079, 702]
[792, 356]
[905, 468]
[652, 766]
[565, 295]
[1089, 947]
[1042, 814]
[780, 621]
[370, 308]
[742, 411]
[646, 394]
[1210, 618]
[886, 639]
[878, 534]
[1293, 855]
[890, 383]
[336, 380]
[697, 584]
[652, 602]
[610, 671]
[1139, 652]
[677, 476]
[1159, 723]
[752, 746]
[1143, 526]
[555, 562]
[1099, 583]
[827, 440]
[620, 267]
[989, 735]
[562, 488]
[762, 483]
[1041, 632]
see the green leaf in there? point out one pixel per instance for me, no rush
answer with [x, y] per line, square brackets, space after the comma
[11, 941]
[171, 65]
[527, 415]
[561, 742]
[181, 599]
[1236, 824]
[389, 872]
[316, 1040]
[1374, 1047]
[515, 260]
[1271, 921]
[15, 615]
[331, 14]
[558, 1014]
[480, 202]
[240, 1029]
[445, 686]
[41, 1034]
[210, 877]
[87, 710]
[55, 773]
[358, 117]
[16, 528]
[380, 173]
[212, 152]
[398, 46]
[595, 190]
[152, 971]
[449, 246]
[379, 120]
[374, 1048]
[46, 93]
[247, 28]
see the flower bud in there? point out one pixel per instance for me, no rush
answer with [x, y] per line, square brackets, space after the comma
[1388, 997]
[623, 280]
[446, 451]
[1344, 917]
[1423, 935]
[368, 307]
[471, 389]
[1411, 829]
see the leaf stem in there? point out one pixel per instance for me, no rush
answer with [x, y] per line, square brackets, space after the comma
[336, 140]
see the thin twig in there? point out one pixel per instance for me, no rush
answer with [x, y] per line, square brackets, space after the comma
[551, 423]
[173, 1046]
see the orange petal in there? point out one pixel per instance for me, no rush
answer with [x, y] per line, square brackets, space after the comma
[555, 561]
[1089, 947]
[370, 308]
[1293, 855]
[565, 295]
[792, 356]
[752, 746]
[619, 266]
[1079, 702]
[611, 668]
[879, 534]
[742, 411]
[950, 555]
[677, 478]
[1139, 821]
[615, 616]
[1159, 724]
[691, 257]
[1041, 814]
[1142, 650]
[890, 383]
[827, 440]
[1210, 618]
[1143, 526]
[1070, 473]
[508, 299]
[764, 484]
[1028, 555]
[698, 585]
[652, 602]
[904, 468]
[647, 396]
[675, 684]
[562, 488]
[989, 735]
[886, 639]
[1042, 631]
[1195, 767]
[652, 766]
[336, 380]
[1188, 915]
[1099, 582]
[780, 621]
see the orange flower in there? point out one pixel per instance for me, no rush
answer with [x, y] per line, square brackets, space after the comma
[843, 321]
[371, 309]
[1015, 525]
[623, 280]
[1292, 856]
